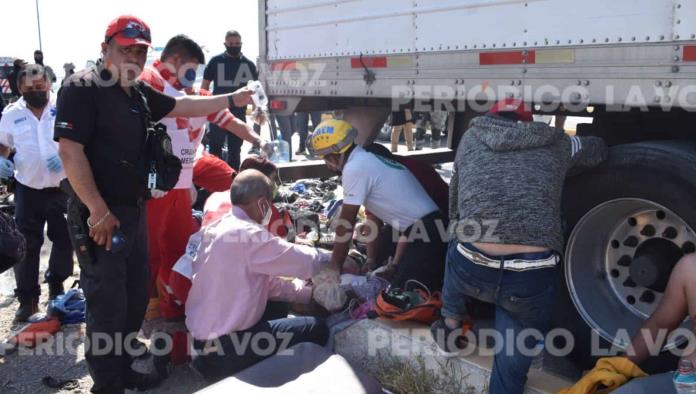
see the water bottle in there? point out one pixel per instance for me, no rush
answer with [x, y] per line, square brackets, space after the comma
[259, 97]
[277, 151]
[538, 360]
[685, 378]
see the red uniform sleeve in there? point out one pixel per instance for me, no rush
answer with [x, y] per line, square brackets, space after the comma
[149, 77]
[221, 118]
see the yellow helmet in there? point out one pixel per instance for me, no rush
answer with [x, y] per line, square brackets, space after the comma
[331, 136]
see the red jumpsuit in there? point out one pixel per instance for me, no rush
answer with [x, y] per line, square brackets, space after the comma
[169, 219]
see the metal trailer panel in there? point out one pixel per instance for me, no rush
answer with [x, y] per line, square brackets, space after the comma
[321, 28]
[630, 74]
[639, 52]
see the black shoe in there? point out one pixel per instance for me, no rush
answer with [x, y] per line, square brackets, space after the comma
[137, 381]
[446, 344]
[27, 307]
[55, 289]
[139, 349]
[302, 152]
[162, 363]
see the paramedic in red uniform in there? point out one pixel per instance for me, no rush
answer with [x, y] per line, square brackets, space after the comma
[169, 214]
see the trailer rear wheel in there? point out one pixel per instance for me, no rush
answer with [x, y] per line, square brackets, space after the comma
[628, 222]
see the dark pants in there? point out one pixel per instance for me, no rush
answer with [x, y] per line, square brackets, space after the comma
[34, 209]
[218, 136]
[302, 125]
[424, 257]
[523, 300]
[229, 354]
[116, 286]
[287, 126]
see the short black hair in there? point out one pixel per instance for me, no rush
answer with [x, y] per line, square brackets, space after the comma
[33, 71]
[232, 33]
[184, 46]
[38, 52]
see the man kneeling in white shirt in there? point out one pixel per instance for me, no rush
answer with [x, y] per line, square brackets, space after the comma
[236, 270]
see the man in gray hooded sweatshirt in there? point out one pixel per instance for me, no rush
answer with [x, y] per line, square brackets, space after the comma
[505, 197]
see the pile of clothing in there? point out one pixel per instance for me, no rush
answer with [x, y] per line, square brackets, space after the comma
[313, 204]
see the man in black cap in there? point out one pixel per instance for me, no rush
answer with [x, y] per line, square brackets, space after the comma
[101, 129]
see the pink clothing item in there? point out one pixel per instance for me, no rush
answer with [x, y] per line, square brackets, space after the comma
[236, 271]
[216, 206]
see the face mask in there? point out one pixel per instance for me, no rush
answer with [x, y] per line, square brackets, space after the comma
[188, 78]
[266, 216]
[36, 99]
[233, 50]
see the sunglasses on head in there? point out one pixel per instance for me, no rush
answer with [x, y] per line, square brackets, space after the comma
[130, 32]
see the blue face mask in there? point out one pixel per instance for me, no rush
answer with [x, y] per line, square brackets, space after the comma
[188, 79]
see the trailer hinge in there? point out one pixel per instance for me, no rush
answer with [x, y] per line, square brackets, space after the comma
[369, 77]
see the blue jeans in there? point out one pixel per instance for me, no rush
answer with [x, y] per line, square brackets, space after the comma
[523, 300]
[661, 383]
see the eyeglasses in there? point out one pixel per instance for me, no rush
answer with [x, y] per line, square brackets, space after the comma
[131, 32]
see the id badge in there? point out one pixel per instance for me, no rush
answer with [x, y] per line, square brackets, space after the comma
[152, 181]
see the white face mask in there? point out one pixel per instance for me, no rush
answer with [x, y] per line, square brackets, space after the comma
[266, 216]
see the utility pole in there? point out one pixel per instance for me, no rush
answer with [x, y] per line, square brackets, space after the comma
[38, 24]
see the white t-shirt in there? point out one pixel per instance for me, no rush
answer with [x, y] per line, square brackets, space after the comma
[386, 188]
[186, 135]
[32, 138]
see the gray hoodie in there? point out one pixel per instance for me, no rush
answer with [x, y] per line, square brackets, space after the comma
[509, 177]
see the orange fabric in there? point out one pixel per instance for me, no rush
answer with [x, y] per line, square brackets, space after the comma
[212, 174]
[169, 308]
[427, 312]
[36, 333]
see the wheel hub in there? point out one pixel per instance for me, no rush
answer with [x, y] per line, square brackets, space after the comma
[618, 261]
[653, 263]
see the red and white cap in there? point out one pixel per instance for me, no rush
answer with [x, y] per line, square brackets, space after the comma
[518, 107]
[128, 30]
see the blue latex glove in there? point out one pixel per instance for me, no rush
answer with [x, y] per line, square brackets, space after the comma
[6, 168]
[54, 164]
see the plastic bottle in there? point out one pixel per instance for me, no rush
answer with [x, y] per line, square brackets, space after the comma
[685, 378]
[259, 97]
[277, 151]
[538, 360]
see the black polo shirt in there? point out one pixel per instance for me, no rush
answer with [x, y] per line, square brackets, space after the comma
[229, 74]
[111, 126]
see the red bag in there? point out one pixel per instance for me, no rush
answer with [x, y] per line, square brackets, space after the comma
[35, 333]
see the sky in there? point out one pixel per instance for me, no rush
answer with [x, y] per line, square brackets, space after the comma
[72, 30]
